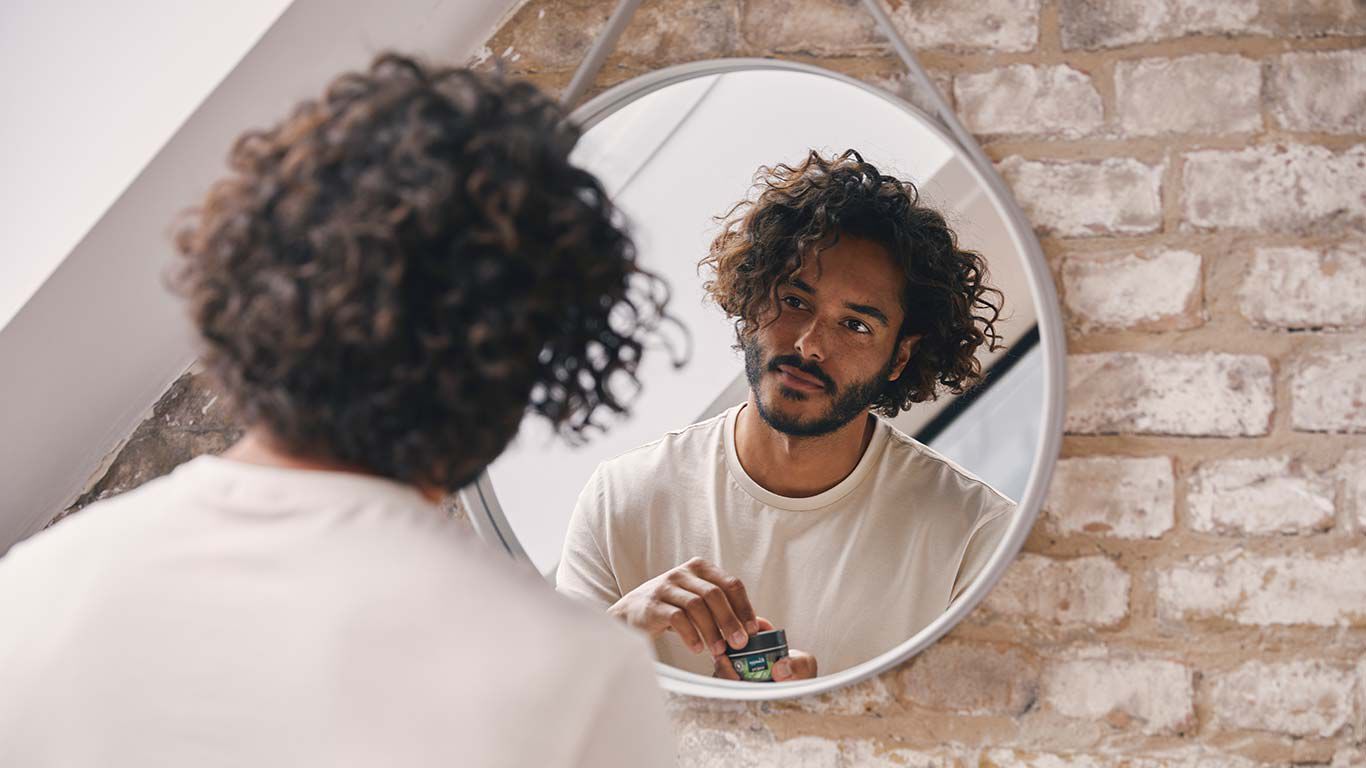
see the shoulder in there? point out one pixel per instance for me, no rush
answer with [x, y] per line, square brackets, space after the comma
[949, 480]
[676, 449]
[97, 533]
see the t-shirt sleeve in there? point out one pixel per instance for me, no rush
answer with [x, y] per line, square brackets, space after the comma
[585, 572]
[631, 729]
[981, 546]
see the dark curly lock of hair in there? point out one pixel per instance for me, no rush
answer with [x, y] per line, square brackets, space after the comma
[399, 271]
[802, 210]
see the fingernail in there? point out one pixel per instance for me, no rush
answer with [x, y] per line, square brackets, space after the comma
[738, 640]
[719, 648]
[753, 627]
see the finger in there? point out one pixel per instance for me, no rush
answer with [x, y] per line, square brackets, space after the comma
[722, 668]
[735, 592]
[797, 666]
[671, 617]
[718, 604]
[698, 612]
[765, 625]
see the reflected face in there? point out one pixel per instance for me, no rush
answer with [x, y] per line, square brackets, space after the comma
[822, 356]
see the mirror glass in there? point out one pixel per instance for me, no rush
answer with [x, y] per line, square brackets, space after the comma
[858, 568]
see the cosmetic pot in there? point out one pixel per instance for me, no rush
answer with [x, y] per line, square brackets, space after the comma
[755, 661]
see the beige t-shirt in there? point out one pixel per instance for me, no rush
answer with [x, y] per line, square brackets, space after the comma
[849, 573]
[239, 615]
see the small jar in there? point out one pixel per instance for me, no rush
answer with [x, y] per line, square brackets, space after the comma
[755, 661]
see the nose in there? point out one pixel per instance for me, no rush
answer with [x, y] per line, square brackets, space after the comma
[811, 342]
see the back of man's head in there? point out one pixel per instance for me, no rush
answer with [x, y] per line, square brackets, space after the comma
[392, 276]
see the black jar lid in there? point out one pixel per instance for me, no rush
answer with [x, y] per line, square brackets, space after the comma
[762, 643]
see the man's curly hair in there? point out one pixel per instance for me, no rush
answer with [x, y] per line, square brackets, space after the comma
[396, 273]
[802, 210]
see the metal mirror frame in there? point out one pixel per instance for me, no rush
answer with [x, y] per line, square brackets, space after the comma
[488, 518]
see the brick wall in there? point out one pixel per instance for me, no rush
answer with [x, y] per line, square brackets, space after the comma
[1195, 591]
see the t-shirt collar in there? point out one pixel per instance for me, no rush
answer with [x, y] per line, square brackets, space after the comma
[822, 499]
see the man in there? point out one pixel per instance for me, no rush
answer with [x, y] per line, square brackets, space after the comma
[387, 282]
[799, 508]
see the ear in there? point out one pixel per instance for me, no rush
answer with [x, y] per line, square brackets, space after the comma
[904, 348]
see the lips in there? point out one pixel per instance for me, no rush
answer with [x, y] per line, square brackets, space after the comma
[800, 380]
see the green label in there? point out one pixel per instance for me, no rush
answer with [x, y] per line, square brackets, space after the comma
[753, 669]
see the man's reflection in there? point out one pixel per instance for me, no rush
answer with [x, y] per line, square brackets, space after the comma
[798, 507]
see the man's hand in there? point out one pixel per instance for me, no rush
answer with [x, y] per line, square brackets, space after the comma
[704, 605]
[799, 665]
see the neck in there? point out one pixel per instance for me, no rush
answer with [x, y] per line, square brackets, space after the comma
[258, 447]
[797, 467]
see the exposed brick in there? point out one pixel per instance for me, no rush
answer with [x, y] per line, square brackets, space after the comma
[974, 678]
[998, 25]
[1298, 698]
[1320, 91]
[1158, 695]
[191, 419]
[1157, 96]
[1352, 471]
[1266, 590]
[1020, 99]
[1188, 757]
[1197, 394]
[860, 698]
[815, 26]
[1092, 24]
[660, 33]
[1285, 188]
[705, 747]
[738, 746]
[1142, 291]
[1111, 496]
[1086, 591]
[670, 31]
[841, 26]
[1112, 23]
[1360, 725]
[901, 85]
[1314, 18]
[1259, 496]
[1115, 196]
[1328, 391]
[1299, 288]
[865, 753]
[1349, 757]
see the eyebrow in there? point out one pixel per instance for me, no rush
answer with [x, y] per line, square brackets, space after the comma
[862, 309]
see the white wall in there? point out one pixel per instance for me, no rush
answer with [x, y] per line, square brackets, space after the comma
[90, 95]
[101, 339]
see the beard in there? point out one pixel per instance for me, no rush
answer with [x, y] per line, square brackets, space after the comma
[847, 403]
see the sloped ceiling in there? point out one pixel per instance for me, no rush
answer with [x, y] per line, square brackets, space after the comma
[100, 338]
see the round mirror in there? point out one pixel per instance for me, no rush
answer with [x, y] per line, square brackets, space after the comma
[860, 570]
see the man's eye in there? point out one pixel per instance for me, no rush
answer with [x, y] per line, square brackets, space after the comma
[859, 327]
[794, 302]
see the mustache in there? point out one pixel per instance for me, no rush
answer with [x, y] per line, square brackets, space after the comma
[810, 369]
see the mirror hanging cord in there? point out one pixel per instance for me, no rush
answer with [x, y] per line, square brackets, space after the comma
[626, 9]
[597, 55]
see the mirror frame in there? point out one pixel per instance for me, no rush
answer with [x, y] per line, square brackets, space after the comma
[487, 516]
